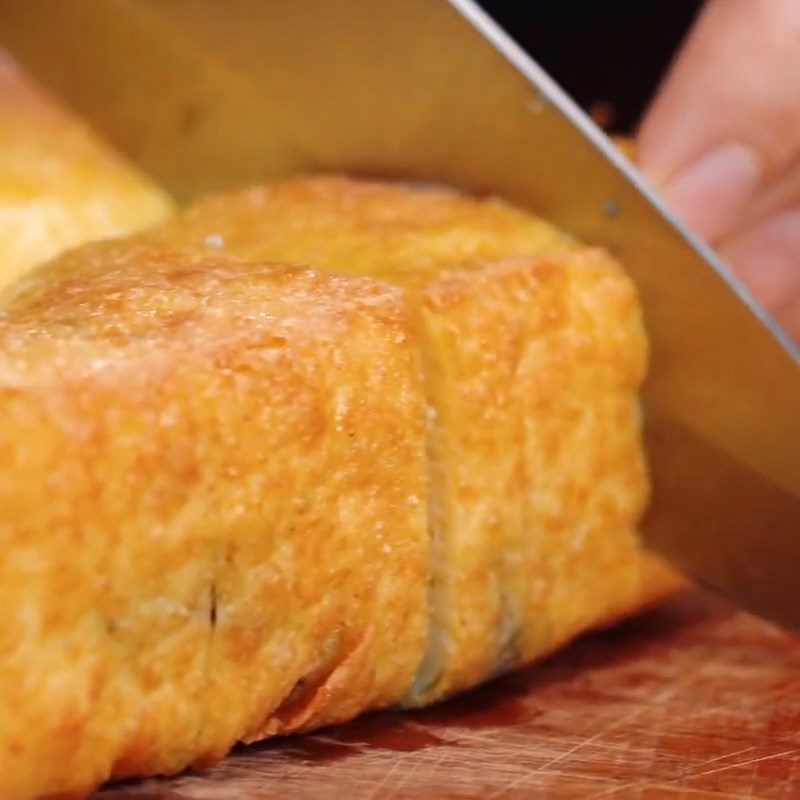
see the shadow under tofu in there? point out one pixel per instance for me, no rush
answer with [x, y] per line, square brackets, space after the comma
[506, 701]
[514, 700]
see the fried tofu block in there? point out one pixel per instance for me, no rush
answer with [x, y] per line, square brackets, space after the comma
[533, 372]
[60, 185]
[578, 375]
[411, 238]
[212, 505]
[533, 352]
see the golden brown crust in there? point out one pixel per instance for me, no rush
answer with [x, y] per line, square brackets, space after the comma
[235, 542]
[234, 459]
[402, 234]
[538, 362]
[537, 476]
[59, 184]
[412, 237]
[578, 381]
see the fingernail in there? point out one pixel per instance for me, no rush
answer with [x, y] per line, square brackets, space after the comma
[767, 258]
[708, 192]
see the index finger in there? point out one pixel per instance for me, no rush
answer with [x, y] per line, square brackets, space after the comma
[733, 95]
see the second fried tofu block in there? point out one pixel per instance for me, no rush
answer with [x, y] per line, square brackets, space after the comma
[533, 353]
[60, 184]
[215, 509]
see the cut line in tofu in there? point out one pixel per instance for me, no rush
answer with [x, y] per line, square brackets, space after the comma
[233, 457]
[512, 342]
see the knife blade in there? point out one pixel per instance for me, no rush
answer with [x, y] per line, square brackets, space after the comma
[207, 95]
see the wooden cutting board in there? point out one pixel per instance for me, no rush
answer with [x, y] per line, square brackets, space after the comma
[692, 701]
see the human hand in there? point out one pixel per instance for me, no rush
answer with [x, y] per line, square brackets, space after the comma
[722, 142]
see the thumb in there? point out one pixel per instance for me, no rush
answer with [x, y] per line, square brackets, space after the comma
[727, 119]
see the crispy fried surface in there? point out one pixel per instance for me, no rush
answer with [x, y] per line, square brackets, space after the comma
[532, 365]
[577, 378]
[59, 184]
[411, 238]
[404, 235]
[536, 367]
[232, 457]
[240, 480]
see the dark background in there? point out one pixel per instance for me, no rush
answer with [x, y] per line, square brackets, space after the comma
[600, 51]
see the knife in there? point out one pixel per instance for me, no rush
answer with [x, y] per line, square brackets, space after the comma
[205, 95]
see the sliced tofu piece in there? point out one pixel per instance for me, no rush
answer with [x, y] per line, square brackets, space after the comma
[579, 377]
[222, 493]
[60, 185]
[526, 514]
[534, 367]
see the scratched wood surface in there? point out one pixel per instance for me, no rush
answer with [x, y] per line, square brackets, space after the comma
[692, 701]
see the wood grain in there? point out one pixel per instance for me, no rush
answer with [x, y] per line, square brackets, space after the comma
[692, 701]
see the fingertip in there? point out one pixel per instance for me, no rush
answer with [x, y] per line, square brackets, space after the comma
[734, 81]
[766, 257]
